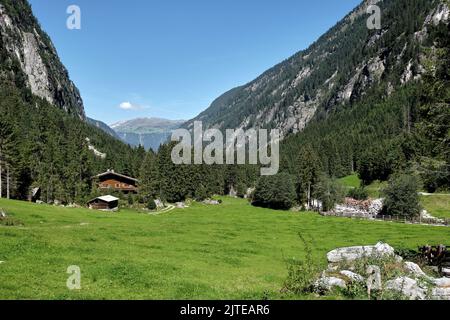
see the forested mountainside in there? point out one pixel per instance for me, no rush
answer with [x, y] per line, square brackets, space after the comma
[103, 126]
[340, 68]
[28, 59]
[147, 132]
[45, 140]
[390, 128]
[371, 101]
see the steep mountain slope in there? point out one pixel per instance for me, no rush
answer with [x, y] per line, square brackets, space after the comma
[339, 69]
[102, 126]
[28, 59]
[45, 140]
[147, 132]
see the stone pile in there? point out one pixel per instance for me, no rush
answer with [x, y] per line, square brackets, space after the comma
[367, 209]
[411, 283]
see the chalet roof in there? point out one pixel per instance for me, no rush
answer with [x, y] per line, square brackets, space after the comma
[106, 199]
[115, 174]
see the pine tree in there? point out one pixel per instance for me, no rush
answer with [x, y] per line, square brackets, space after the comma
[6, 155]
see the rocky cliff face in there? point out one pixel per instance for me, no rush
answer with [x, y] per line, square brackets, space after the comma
[29, 60]
[340, 68]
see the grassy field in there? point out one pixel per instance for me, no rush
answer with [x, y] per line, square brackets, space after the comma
[353, 181]
[231, 251]
[437, 205]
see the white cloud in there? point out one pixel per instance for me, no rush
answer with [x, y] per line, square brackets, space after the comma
[128, 106]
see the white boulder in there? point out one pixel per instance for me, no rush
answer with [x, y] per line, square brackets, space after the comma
[441, 282]
[354, 277]
[180, 205]
[414, 269]
[325, 284]
[440, 293]
[159, 204]
[446, 271]
[211, 202]
[348, 254]
[408, 287]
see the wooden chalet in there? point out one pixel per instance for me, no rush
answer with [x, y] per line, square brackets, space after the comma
[104, 203]
[111, 180]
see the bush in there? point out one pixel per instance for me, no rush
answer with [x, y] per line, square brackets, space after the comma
[151, 205]
[275, 192]
[358, 193]
[130, 199]
[401, 197]
[329, 192]
[301, 273]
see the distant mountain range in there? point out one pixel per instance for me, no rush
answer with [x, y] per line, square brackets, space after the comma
[148, 132]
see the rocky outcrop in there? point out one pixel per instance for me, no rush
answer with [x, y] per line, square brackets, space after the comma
[25, 45]
[409, 288]
[365, 266]
[380, 250]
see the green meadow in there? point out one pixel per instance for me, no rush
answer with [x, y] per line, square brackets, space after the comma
[230, 251]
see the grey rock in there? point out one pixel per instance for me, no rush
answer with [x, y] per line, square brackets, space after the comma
[159, 204]
[414, 269]
[180, 205]
[440, 294]
[352, 276]
[441, 282]
[408, 287]
[211, 202]
[348, 254]
[325, 284]
[446, 271]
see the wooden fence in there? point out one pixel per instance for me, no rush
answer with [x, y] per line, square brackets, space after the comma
[414, 220]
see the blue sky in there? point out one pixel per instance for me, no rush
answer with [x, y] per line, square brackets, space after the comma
[171, 59]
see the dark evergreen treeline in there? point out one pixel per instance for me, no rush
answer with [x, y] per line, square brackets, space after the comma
[42, 146]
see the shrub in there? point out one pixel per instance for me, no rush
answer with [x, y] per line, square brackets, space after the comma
[275, 192]
[329, 192]
[151, 205]
[401, 196]
[301, 273]
[201, 193]
[358, 193]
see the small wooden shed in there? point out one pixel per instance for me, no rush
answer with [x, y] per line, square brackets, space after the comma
[104, 203]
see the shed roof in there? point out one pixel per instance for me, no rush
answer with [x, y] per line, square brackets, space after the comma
[106, 199]
[116, 174]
